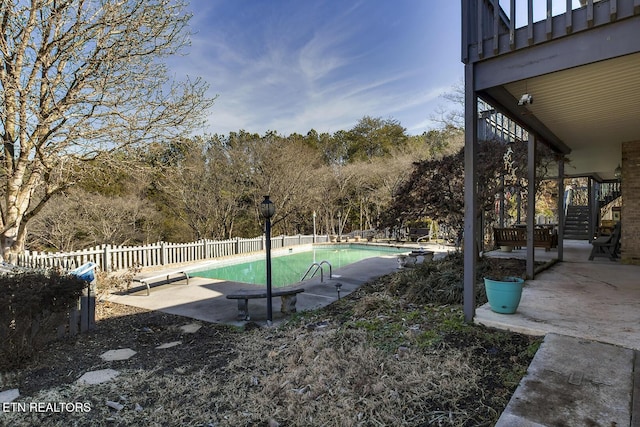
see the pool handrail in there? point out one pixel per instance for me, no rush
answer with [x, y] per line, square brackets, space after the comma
[330, 268]
[318, 266]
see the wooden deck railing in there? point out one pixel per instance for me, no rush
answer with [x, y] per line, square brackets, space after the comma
[487, 30]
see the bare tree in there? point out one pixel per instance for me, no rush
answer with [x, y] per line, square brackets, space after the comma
[286, 169]
[202, 184]
[80, 219]
[451, 115]
[79, 79]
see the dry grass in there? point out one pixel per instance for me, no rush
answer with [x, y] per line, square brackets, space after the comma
[371, 359]
[342, 380]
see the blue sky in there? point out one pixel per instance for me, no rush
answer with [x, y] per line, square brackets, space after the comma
[295, 65]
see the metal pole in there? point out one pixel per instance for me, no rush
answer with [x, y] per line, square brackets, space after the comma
[268, 246]
[314, 226]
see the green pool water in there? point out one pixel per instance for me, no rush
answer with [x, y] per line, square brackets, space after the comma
[289, 268]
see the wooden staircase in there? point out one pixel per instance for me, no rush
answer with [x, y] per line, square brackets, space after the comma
[576, 223]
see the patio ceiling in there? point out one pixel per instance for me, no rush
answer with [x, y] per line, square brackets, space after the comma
[591, 109]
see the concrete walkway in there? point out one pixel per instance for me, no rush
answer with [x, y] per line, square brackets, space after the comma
[589, 312]
[574, 382]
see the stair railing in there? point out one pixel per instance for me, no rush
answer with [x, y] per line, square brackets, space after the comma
[609, 191]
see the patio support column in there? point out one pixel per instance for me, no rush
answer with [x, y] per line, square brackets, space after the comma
[594, 208]
[560, 209]
[531, 205]
[470, 193]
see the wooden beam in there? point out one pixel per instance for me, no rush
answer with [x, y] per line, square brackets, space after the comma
[505, 103]
[496, 26]
[467, 25]
[530, 21]
[512, 25]
[568, 18]
[531, 204]
[561, 209]
[549, 20]
[594, 208]
[470, 193]
[480, 35]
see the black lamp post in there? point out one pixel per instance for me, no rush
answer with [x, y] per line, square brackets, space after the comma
[267, 209]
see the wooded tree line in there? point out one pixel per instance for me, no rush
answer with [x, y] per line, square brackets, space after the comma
[210, 186]
[372, 176]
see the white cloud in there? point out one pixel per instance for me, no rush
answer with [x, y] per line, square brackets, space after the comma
[291, 73]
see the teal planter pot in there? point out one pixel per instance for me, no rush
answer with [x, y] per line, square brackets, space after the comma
[504, 294]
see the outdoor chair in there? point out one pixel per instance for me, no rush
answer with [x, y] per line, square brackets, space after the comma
[607, 245]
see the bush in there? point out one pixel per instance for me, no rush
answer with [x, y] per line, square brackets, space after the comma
[437, 282]
[442, 281]
[32, 306]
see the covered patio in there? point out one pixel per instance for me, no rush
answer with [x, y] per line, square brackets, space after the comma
[580, 306]
[568, 77]
[597, 300]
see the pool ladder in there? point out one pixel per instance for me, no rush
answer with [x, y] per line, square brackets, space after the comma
[313, 271]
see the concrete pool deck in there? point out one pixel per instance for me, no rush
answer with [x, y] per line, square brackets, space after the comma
[205, 299]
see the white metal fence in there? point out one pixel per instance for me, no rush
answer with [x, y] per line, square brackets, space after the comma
[113, 258]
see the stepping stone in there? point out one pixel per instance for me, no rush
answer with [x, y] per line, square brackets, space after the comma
[115, 405]
[98, 377]
[9, 395]
[120, 354]
[168, 345]
[191, 328]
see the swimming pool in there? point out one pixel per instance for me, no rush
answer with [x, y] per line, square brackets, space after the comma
[287, 269]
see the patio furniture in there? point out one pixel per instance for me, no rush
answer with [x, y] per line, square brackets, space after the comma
[607, 245]
[287, 295]
[419, 233]
[543, 237]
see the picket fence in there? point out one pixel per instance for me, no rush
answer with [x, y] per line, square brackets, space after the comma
[113, 258]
